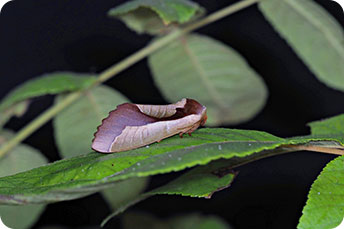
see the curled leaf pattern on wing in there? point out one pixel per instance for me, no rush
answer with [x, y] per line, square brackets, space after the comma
[134, 125]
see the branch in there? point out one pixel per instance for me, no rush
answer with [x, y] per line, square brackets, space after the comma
[117, 68]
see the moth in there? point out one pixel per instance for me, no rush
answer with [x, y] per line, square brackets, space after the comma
[131, 126]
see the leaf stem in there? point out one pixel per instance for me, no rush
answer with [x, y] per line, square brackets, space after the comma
[119, 67]
[320, 149]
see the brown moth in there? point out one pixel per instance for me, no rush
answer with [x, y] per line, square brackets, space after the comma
[134, 125]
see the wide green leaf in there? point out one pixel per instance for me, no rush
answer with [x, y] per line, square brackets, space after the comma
[82, 175]
[214, 74]
[52, 83]
[85, 174]
[325, 205]
[21, 158]
[75, 126]
[188, 221]
[314, 35]
[154, 16]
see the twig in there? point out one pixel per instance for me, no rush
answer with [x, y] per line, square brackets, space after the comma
[117, 68]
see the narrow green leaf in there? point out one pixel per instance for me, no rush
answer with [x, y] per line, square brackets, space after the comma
[217, 76]
[313, 34]
[18, 160]
[188, 221]
[52, 83]
[325, 205]
[75, 126]
[201, 181]
[153, 16]
[85, 174]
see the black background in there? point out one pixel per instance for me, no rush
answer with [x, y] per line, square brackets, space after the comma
[40, 36]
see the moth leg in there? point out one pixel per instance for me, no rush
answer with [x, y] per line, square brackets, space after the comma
[192, 129]
[158, 141]
[181, 134]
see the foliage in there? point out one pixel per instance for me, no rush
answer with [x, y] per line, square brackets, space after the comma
[182, 65]
[146, 16]
[324, 207]
[314, 35]
[22, 158]
[213, 74]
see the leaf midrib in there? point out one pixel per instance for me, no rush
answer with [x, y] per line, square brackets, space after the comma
[204, 79]
[317, 24]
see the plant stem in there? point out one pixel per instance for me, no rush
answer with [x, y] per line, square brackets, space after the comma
[117, 68]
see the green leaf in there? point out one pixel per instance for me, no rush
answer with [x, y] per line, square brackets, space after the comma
[18, 160]
[82, 175]
[75, 126]
[188, 221]
[85, 174]
[53, 83]
[330, 127]
[313, 34]
[202, 181]
[204, 69]
[17, 110]
[124, 191]
[325, 205]
[78, 122]
[21, 217]
[197, 221]
[154, 16]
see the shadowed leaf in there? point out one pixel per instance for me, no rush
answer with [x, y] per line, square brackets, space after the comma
[16, 110]
[53, 83]
[154, 16]
[18, 160]
[124, 191]
[217, 76]
[75, 126]
[200, 182]
[313, 34]
[188, 221]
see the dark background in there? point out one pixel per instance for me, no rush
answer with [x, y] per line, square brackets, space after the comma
[40, 36]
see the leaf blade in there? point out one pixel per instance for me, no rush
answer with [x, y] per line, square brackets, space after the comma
[324, 207]
[202, 182]
[78, 123]
[146, 16]
[313, 34]
[213, 74]
[82, 175]
[20, 159]
[52, 83]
